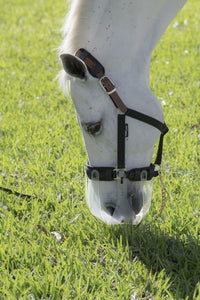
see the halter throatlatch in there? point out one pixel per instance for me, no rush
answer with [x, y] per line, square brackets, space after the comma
[96, 69]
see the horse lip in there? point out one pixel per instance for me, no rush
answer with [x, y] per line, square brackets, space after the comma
[105, 205]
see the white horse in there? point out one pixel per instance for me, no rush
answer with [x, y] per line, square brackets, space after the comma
[120, 123]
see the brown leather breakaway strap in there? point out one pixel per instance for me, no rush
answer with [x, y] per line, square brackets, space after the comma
[96, 69]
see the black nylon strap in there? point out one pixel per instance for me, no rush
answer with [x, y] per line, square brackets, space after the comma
[104, 173]
[109, 173]
[121, 142]
[146, 119]
[160, 149]
[135, 174]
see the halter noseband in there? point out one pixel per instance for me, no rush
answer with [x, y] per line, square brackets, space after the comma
[109, 173]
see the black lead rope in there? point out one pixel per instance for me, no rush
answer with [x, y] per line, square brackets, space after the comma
[9, 191]
[162, 127]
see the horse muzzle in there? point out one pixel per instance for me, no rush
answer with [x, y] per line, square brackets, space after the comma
[115, 203]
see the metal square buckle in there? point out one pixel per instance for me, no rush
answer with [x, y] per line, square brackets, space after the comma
[104, 88]
[120, 174]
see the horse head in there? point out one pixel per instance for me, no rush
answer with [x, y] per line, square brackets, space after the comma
[119, 117]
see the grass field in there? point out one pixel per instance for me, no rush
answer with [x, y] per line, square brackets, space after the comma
[52, 247]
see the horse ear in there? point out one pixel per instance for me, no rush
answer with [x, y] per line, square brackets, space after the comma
[73, 66]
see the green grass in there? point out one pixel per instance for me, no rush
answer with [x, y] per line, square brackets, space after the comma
[42, 153]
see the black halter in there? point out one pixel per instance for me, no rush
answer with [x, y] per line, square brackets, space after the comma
[109, 173]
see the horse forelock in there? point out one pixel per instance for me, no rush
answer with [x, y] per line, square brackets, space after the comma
[78, 12]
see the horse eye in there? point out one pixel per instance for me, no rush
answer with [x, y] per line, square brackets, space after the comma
[93, 128]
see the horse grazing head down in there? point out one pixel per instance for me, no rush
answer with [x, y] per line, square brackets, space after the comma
[106, 57]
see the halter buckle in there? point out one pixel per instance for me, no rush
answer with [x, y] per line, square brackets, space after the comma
[110, 84]
[120, 174]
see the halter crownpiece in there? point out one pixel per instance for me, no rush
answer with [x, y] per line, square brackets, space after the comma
[96, 69]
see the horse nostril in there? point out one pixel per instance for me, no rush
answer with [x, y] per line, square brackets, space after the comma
[93, 128]
[136, 203]
[110, 210]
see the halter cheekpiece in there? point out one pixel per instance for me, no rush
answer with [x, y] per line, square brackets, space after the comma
[96, 69]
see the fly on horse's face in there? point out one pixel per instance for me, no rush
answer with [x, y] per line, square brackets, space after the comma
[121, 120]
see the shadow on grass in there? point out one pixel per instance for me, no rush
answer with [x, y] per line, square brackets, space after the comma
[179, 256]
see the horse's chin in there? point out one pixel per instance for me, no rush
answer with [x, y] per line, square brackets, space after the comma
[115, 203]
